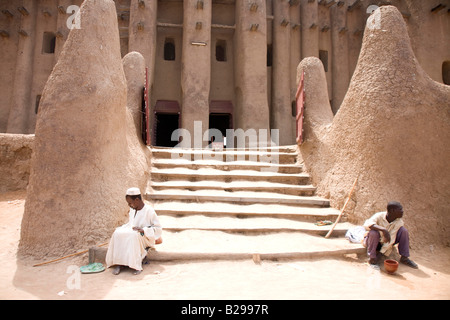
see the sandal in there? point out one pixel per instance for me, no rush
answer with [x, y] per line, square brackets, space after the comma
[323, 223]
[409, 263]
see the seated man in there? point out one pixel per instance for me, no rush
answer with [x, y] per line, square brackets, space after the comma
[385, 230]
[128, 243]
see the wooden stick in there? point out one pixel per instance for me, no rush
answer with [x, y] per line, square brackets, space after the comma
[343, 208]
[68, 256]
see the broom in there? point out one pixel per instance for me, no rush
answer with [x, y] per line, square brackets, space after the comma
[68, 256]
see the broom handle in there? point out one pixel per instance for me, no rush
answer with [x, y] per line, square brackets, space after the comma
[342, 211]
[68, 256]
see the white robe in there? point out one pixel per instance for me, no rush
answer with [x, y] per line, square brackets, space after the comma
[127, 246]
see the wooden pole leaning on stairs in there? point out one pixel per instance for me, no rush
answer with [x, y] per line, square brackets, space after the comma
[342, 210]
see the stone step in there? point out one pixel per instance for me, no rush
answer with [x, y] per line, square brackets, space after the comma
[240, 204]
[236, 197]
[217, 245]
[285, 148]
[235, 186]
[250, 226]
[223, 209]
[227, 176]
[227, 166]
[226, 155]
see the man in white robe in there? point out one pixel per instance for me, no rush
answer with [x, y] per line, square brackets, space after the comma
[128, 242]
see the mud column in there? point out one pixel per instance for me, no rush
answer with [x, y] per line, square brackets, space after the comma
[252, 108]
[281, 102]
[142, 32]
[340, 66]
[296, 49]
[310, 28]
[196, 70]
[21, 105]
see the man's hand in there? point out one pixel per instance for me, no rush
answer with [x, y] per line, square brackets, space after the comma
[384, 231]
[138, 229]
[386, 235]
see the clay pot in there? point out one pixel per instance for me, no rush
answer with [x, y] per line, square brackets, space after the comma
[390, 265]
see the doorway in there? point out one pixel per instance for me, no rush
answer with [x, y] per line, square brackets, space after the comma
[220, 118]
[166, 124]
[221, 122]
[166, 119]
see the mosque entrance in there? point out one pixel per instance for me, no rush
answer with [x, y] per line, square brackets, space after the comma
[166, 119]
[166, 124]
[221, 119]
[221, 122]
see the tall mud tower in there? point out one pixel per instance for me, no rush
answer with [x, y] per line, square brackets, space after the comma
[391, 131]
[83, 156]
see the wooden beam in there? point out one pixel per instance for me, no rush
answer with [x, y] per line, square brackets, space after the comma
[7, 13]
[438, 8]
[354, 5]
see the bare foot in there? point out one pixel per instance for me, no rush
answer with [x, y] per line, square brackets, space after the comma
[117, 270]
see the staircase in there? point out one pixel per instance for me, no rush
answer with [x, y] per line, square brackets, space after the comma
[239, 204]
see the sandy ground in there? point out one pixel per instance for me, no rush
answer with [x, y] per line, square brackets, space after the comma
[346, 278]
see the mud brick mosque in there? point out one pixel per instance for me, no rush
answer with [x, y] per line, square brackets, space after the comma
[203, 56]
[376, 78]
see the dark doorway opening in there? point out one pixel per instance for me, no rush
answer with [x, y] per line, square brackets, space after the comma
[221, 122]
[221, 119]
[166, 124]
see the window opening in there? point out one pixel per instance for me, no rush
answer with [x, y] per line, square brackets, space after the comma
[323, 56]
[169, 49]
[446, 72]
[269, 55]
[48, 42]
[221, 50]
[38, 101]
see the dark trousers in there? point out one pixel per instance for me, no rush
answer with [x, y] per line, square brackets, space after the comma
[372, 242]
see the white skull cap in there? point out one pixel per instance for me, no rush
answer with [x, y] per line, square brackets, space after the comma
[133, 192]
